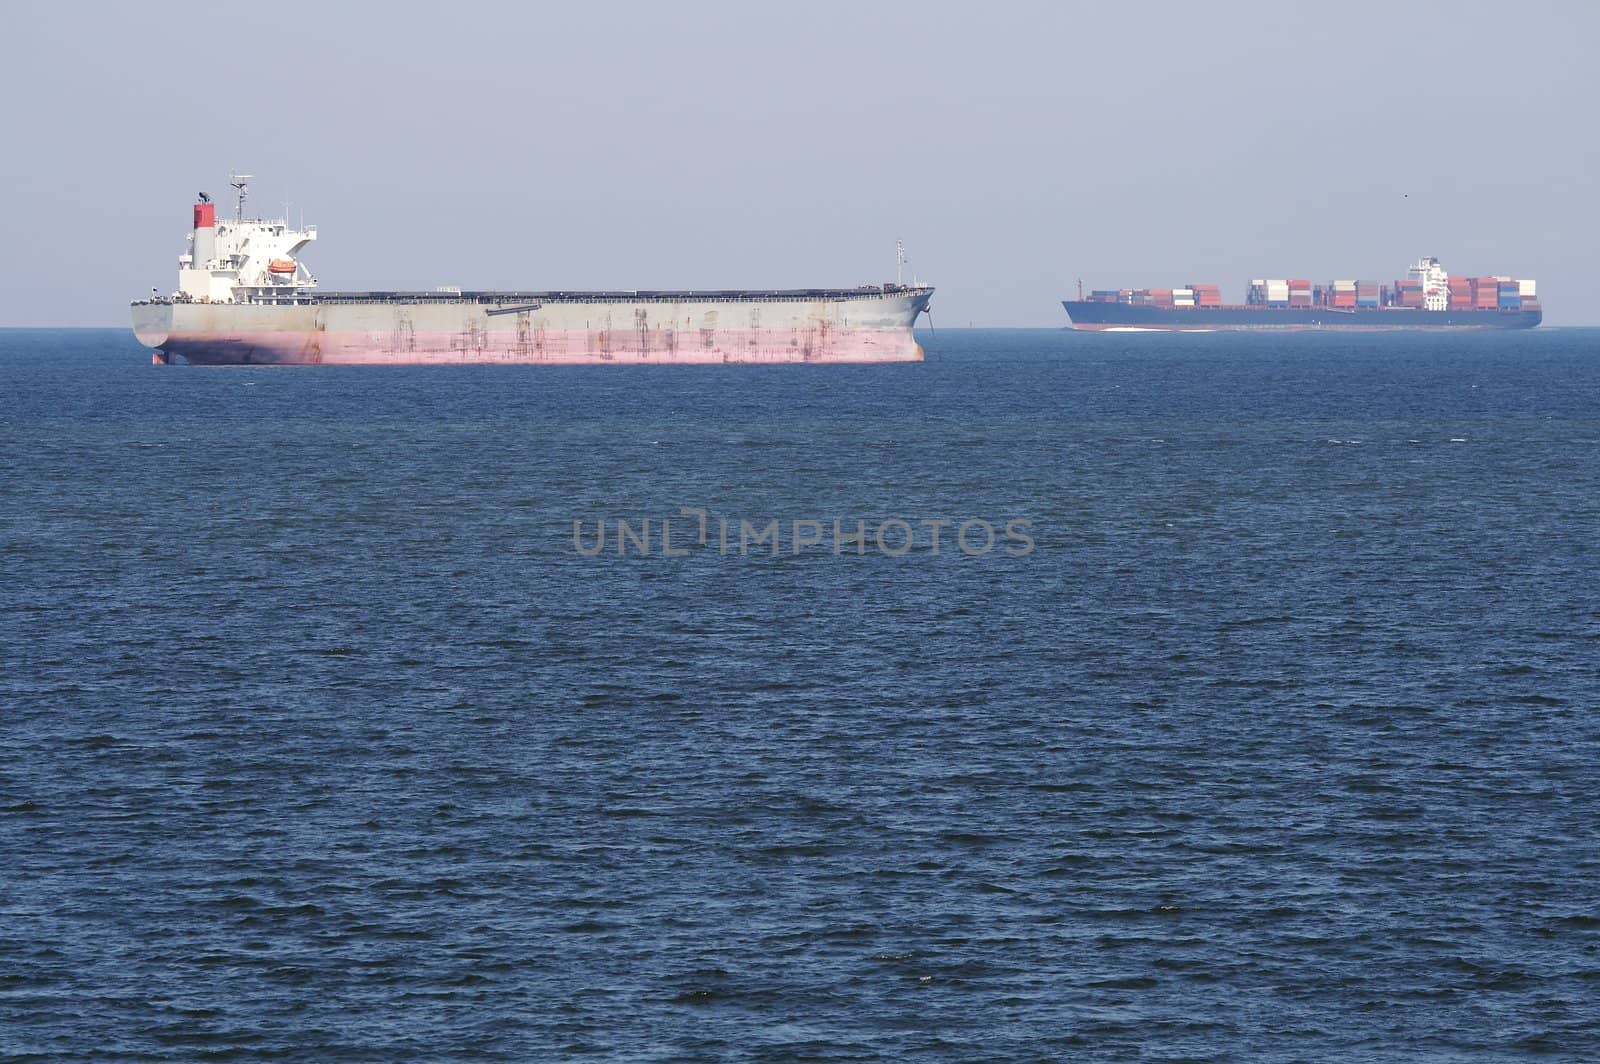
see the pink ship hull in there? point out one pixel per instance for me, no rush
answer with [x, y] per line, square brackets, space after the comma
[821, 327]
[567, 348]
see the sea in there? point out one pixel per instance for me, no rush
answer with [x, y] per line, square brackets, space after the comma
[1063, 697]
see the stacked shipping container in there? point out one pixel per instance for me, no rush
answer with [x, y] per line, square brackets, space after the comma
[1269, 293]
[1195, 295]
[1408, 294]
[1464, 293]
[1485, 293]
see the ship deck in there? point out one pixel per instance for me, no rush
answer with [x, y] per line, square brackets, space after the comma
[504, 298]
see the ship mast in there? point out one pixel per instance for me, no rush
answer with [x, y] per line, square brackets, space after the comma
[899, 261]
[241, 182]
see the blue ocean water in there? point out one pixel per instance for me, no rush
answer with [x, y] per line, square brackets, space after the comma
[321, 739]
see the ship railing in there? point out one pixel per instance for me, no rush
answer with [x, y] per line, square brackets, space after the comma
[493, 298]
[268, 223]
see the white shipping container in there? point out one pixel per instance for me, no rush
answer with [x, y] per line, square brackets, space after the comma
[1344, 286]
[1527, 288]
[1257, 282]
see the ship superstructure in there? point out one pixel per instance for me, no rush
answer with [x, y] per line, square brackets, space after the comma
[244, 296]
[252, 260]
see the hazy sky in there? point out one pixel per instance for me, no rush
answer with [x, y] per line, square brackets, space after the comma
[1015, 147]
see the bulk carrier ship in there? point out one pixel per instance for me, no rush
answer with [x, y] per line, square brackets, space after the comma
[244, 297]
[1429, 298]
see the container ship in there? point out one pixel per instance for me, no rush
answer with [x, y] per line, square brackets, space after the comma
[1429, 298]
[245, 297]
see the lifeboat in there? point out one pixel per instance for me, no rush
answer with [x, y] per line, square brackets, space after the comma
[282, 266]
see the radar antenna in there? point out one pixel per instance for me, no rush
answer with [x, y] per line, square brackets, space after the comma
[241, 182]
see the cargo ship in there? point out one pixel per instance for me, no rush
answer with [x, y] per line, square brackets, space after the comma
[1428, 298]
[245, 297]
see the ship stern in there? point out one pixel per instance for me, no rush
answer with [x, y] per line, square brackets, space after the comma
[152, 323]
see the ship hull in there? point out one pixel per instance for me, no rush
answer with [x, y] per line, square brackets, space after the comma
[1094, 316]
[540, 329]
